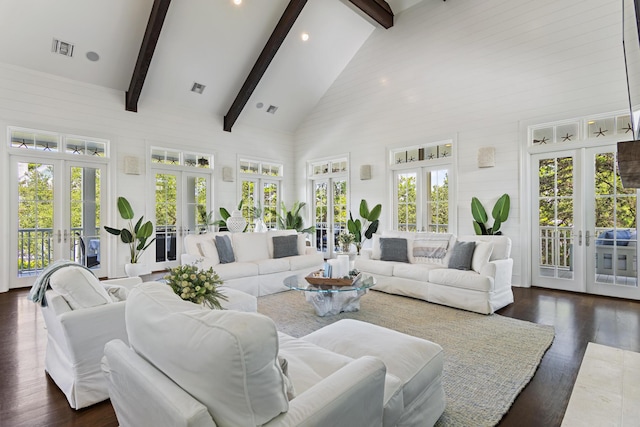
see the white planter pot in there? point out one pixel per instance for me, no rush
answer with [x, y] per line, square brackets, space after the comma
[260, 226]
[135, 270]
[236, 222]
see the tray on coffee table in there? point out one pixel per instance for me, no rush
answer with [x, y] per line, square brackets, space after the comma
[317, 279]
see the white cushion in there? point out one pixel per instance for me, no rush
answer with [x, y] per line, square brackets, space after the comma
[501, 245]
[225, 359]
[234, 270]
[79, 287]
[308, 261]
[419, 272]
[208, 250]
[270, 266]
[481, 255]
[249, 247]
[465, 279]
[376, 252]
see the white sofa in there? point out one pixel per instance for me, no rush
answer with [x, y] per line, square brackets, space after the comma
[189, 366]
[485, 288]
[255, 270]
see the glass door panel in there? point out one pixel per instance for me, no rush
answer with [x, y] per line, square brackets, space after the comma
[406, 195]
[321, 219]
[612, 226]
[437, 198]
[84, 217]
[35, 218]
[340, 214]
[557, 255]
[166, 203]
[270, 204]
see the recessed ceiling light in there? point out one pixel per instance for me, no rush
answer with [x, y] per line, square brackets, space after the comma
[63, 48]
[92, 56]
[259, 105]
[197, 87]
[272, 109]
[304, 37]
[237, 2]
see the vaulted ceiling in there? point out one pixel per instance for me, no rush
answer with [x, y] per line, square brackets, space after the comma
[212, 42]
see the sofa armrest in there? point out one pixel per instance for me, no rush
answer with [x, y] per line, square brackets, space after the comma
[310, 250]
[351, 396]
[188, 259]
[87, 330]
[501, 270]
[141, 394]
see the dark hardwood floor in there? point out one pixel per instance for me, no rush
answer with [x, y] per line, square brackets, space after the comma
[28, 397]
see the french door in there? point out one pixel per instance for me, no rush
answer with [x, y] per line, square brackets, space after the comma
[584, 224]
[330, 212]
[421, 198]
[57, 213]
[182, 201]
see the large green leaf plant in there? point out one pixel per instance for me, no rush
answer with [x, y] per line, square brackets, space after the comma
[136, 236]
[500, 213]
[292, 220]
[364, 228]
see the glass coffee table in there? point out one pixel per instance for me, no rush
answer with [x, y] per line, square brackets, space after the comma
[330, 299]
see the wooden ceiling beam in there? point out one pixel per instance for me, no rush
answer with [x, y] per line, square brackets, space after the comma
[378, 10]
[149, 42]
[269, 51]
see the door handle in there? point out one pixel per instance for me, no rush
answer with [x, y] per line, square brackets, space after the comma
[66, 235]
[59, 236]
[586, 238]
[580, 238]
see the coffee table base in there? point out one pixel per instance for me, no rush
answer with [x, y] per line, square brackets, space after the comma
[331, 303]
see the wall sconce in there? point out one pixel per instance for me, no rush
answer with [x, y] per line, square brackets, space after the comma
[132, 165]
[365, 172]
[227, 174]
[486, 157]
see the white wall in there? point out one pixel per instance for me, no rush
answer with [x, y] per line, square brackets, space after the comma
[45, 102]
[472, 71]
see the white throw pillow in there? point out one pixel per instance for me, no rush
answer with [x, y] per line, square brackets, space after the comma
[208, 250]
[225, 359]
[79, 287]
[248, 247]
[375, 247]
[481, 255]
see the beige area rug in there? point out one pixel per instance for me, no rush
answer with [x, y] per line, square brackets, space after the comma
[488, 359]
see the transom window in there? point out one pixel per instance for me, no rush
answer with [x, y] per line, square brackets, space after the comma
[50, 142]
[181, 158]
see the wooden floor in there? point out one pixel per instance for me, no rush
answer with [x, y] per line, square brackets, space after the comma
[28, 397]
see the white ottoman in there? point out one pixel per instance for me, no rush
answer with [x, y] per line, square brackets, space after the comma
[238, 300]
[416, 362]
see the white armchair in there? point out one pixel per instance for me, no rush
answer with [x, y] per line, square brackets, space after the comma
[76, 339]
[193, 367]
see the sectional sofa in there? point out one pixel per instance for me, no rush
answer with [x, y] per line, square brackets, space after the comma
[255, 263]
[418, 265]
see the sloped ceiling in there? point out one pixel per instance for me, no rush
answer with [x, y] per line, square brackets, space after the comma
[212, 42]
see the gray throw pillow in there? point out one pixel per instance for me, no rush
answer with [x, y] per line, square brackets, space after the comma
[225, 250]
[284, 246]
[461, 255]
[393, 249]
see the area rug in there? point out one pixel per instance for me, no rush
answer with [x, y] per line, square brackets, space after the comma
[488, 359]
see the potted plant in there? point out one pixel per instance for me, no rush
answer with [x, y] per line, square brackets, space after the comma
[500, 213]
[345, 240]
[136, 236]
[292, 220]
[258, 226]
[225, 215]
[369, 223]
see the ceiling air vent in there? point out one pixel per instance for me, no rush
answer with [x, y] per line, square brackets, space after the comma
[272, 109]
[197, 87]
[63, 48]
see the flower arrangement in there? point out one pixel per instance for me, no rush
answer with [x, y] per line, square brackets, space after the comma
[345, 240]
[195, 285]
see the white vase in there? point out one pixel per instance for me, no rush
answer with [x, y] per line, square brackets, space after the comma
[136, 270]
[260, 226]
[236, 222]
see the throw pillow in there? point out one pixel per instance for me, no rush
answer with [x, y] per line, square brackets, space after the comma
[225, 250]
[461, 255]
[79, 287]
[393, 249]
[284, 246]
[481, 255]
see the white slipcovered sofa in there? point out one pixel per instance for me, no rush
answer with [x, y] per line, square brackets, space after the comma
[189, 366]
[256, 269]
[484, 288]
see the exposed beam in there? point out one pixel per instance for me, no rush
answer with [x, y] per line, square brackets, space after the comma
[378, 10]
[283, 27]
[149, 41]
